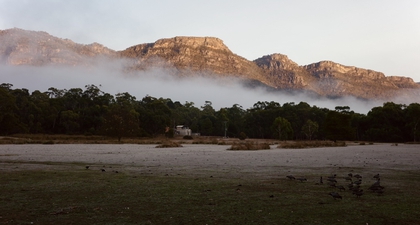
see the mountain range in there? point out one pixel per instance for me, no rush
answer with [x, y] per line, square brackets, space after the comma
[208, 56]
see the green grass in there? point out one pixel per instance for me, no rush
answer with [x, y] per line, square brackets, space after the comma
[92, 197]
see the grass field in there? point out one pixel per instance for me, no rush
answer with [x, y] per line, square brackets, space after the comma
[203, 184]
[89, 196]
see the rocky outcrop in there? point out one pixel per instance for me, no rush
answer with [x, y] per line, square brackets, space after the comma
[403, 82]
[191, 56]
[328, 69]
[334, 79]
[283, 72]
[22, 47]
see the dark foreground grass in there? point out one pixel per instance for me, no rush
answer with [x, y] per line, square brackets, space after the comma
[94, 197]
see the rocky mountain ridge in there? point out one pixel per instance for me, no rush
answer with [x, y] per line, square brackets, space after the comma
[189, 56]
[23, 47]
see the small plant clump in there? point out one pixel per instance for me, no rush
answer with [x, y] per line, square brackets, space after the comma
[249, 146]
[312, 144]
[169, 144]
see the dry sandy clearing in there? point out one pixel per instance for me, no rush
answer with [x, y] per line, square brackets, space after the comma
[212, 160]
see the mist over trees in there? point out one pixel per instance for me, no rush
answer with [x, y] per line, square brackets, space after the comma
[90, 111]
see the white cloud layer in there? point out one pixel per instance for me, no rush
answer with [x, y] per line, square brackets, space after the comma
[158, 83]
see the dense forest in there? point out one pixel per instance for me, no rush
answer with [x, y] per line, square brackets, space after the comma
[90, 111]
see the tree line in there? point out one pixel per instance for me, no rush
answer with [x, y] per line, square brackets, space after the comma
[90, 111]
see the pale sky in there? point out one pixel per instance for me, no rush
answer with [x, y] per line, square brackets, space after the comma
[382, 35]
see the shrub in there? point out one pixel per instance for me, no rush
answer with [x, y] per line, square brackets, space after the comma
[169, 144]
[312, 144]
[187, 137]
[242, 136]
[249, 146]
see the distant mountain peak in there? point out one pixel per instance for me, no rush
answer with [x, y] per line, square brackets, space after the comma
[23, 47]
[179, 45]
[276, 61]
[189, 56]
[193, 42]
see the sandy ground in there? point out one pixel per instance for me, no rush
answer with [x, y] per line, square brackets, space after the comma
[213, 160]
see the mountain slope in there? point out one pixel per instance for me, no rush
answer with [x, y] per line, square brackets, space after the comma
[191, 56]
[194, 55]
[22, 47]
[343, 80]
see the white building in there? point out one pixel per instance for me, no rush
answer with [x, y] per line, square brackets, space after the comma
[182, 130]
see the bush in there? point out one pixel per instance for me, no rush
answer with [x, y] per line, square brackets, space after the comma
[187, 137]
[169, 144]
[242, 136]
[249, 146]
[312, 144]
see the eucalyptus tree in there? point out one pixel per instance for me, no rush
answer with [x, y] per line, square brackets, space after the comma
[235, 120]
[96, 104]
[43, 116]
[359, 125]
[222, 122]
[413, 121]
[310, 128]
[386, 123]
[260, 117]
[282, 128]
[23, 104]
[302, 115]
[338, 125]
[121, 119]
[207, 120]
[8, 112]
[155, 115]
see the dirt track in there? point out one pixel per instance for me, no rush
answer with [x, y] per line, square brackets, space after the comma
[212, 159]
